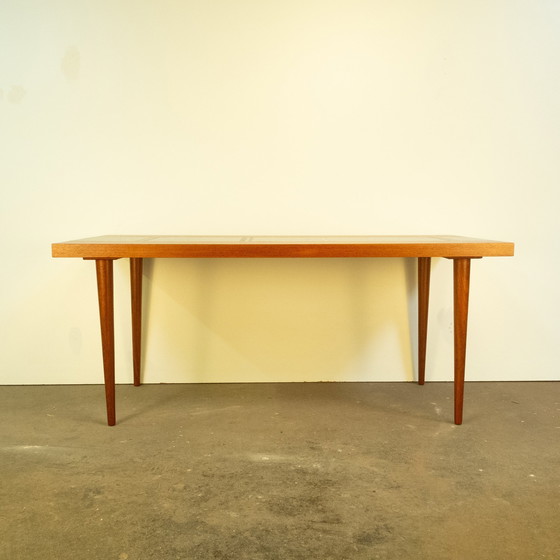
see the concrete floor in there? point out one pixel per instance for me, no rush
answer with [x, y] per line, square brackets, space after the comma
[281, 471]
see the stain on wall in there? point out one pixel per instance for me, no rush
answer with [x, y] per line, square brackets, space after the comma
[16, 94]
[71, 63]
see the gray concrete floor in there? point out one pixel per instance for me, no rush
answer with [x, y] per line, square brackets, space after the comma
[281, 471]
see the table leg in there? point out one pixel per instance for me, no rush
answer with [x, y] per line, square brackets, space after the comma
[104, 268]
[461, 278]
[136, 304]
[424, 264]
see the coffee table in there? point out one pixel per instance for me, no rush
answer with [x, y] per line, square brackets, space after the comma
[105, 249]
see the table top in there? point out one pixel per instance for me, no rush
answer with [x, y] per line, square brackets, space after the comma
[272, 246]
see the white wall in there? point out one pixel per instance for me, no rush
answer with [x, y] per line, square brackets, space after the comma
[279, 117]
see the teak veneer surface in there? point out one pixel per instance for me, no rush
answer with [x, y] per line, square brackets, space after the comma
[179, 246]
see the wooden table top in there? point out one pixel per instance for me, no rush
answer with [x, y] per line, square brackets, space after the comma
[224, 246]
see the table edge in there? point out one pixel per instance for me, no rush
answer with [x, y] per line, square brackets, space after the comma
[264, 250]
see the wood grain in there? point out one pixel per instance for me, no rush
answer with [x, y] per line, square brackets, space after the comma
[424, 267]
[104, 270]
[461, 282]
[136, 308]
[154, 246]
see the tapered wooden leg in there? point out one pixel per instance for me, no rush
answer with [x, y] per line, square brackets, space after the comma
[104, 269]
[136, 297]
[461, 278]
[424, 265]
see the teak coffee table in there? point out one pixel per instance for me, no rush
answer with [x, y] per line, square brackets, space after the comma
[105, 249]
